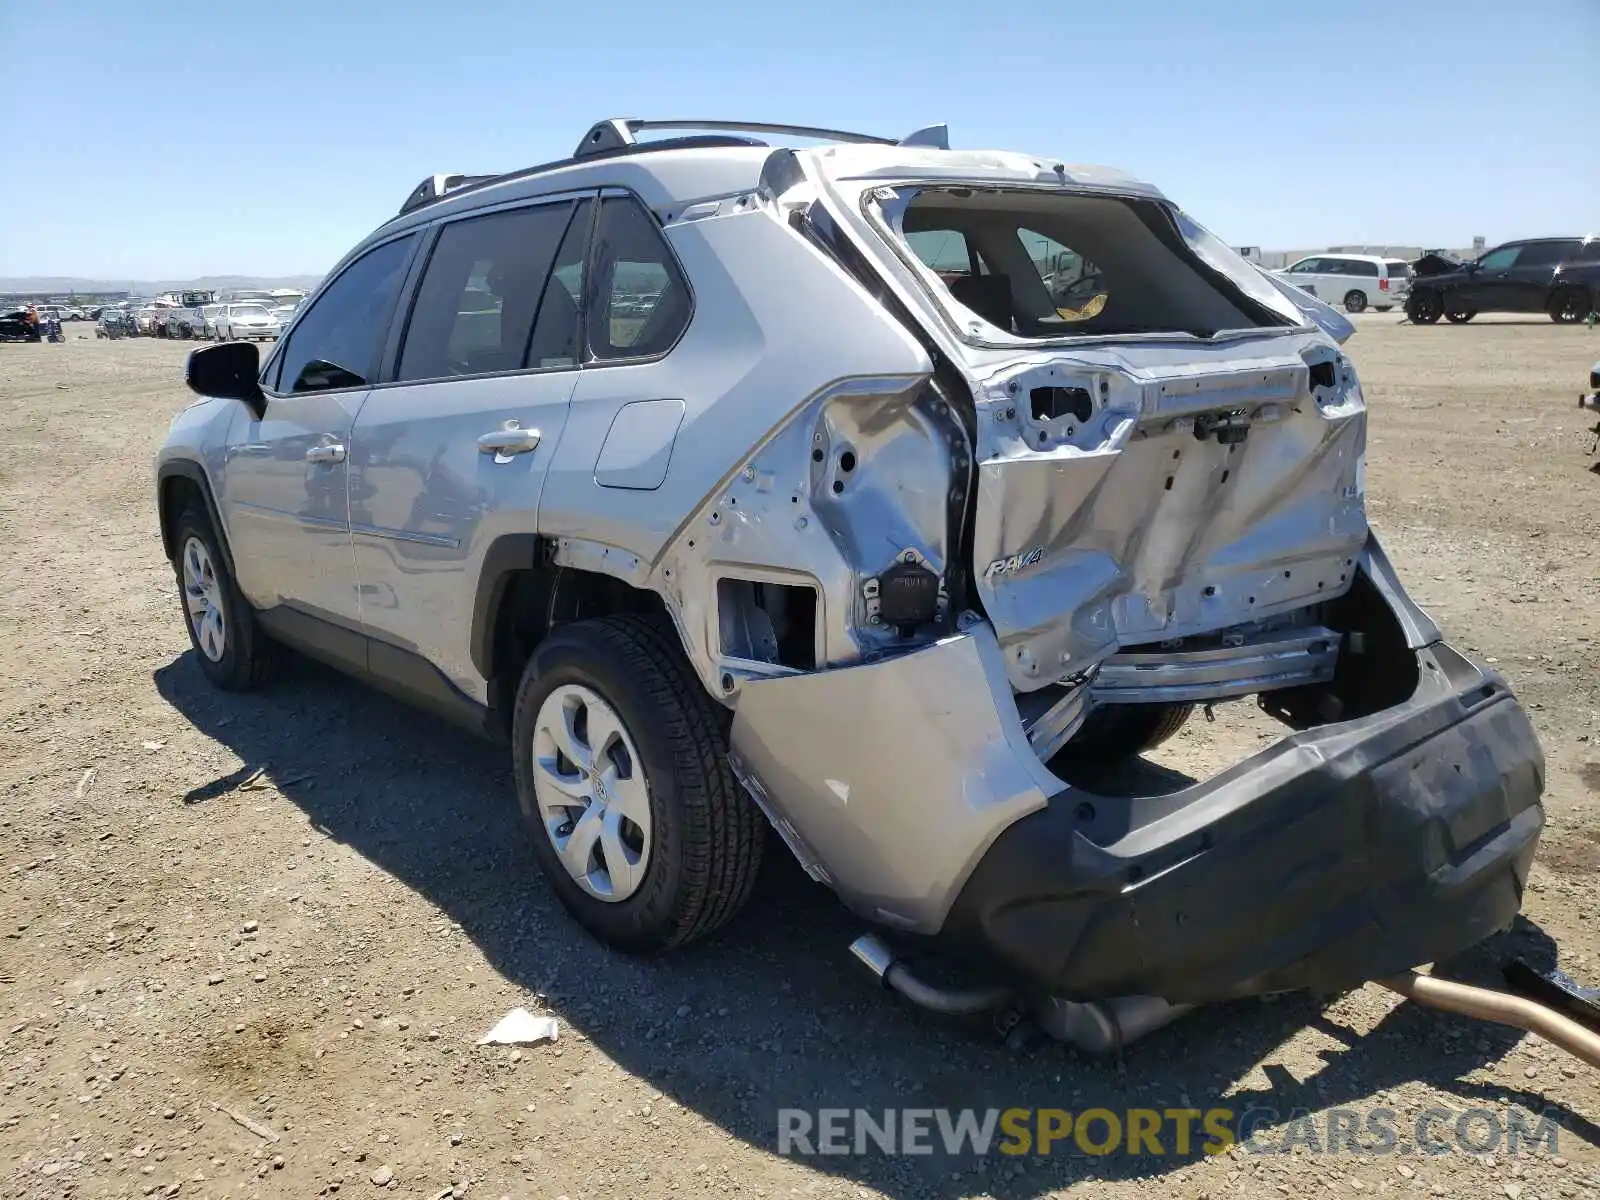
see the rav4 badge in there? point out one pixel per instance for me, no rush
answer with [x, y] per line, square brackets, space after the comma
[1015, 563]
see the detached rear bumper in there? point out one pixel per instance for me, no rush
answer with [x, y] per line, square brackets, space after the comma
[1339, 855]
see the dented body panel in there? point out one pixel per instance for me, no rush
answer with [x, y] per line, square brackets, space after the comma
[1142, 524]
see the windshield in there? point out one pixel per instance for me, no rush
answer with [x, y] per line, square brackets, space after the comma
[249, 310]
[1049, 265]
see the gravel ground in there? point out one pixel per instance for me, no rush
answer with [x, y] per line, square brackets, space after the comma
[316, 948]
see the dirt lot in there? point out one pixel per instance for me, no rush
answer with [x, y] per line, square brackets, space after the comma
[318, 948]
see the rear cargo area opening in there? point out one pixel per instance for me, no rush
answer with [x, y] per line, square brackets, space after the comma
[1373, 670]
[1051, 265]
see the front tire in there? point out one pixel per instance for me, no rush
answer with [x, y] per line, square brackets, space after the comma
[621, 767]
[1425, 307]
[233, 652]
[1355, 301]
[1460, 318]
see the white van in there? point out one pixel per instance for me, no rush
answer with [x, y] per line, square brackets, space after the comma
[1357, 281]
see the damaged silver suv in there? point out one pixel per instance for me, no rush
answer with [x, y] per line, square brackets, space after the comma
[868, 490]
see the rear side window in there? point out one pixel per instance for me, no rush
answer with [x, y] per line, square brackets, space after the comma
[1362, 266]
[558, 332]
[480, 293]
[336, 343]
[1588, 252]
[1545, 254]
[641, 300]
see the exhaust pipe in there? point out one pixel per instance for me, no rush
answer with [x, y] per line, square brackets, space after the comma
[1502, 1009]
[955, 1002]
[1097, 1026]
[1101, 1026]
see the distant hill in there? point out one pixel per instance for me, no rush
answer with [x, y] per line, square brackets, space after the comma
[64, 284]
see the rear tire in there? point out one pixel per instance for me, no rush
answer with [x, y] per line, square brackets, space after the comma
[691, 858]
[1355, 300]
[1569, 306]
[1120, 731]
[1460, 318]
[233, 652]
[1383, 307]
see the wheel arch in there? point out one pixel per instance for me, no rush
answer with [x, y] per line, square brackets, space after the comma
[178, 481]
[523, 593]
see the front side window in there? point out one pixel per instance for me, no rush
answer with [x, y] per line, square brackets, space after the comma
[641, 300]
[1499, 260]
[1306, 266]
[336, 343]
[480, 293]
[1083, 265]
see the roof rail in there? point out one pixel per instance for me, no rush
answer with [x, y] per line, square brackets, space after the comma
[619, 132]
[435, 186]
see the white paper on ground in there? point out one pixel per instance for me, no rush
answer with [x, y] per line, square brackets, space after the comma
[519, 1027]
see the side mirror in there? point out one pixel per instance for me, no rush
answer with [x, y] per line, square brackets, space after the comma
[227, 371]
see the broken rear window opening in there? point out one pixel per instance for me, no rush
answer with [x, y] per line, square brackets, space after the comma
[1045, 265]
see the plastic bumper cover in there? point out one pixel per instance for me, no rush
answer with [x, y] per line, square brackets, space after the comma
[1343, 853]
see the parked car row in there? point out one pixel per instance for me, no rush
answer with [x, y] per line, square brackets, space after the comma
[1556, 276]
[207, 321]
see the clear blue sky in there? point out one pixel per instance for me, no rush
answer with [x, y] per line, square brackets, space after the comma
[166, 140]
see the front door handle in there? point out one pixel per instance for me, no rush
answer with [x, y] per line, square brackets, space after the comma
[325, 454]
[513, 439]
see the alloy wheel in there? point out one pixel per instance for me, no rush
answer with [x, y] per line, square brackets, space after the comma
[202, 597]
[594, 802]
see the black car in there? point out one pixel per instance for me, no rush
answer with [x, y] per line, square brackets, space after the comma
[15, 327]
[1557, 276]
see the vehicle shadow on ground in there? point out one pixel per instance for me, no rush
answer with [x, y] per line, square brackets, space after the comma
[778, 1016]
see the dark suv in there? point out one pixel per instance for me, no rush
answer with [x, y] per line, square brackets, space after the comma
[1558, 276]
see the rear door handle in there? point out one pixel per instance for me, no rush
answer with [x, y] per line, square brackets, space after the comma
[513, 439]
[325, 454]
